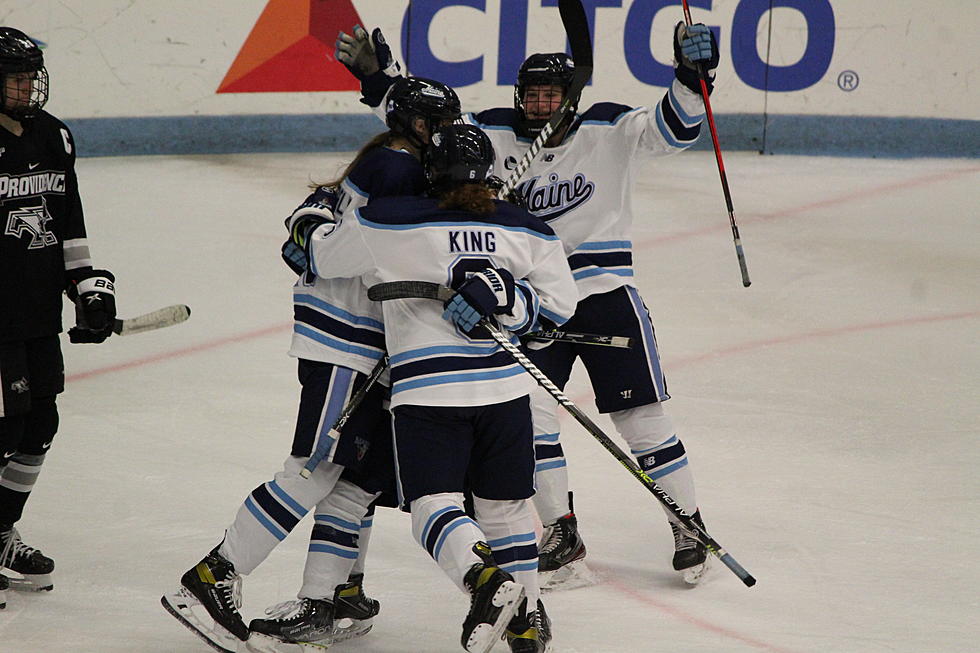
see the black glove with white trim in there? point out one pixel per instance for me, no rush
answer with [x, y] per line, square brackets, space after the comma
[94, 295]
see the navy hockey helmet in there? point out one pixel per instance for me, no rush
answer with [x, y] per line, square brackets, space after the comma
[458, 154]
[417, 97]
[23, 77]
[542, 69]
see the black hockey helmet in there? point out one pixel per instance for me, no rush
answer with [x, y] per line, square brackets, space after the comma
[541, 69]
[21, 61]
[417, 97]
[458, 154]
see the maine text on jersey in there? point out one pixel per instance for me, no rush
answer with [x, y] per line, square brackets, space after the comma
[31, 184]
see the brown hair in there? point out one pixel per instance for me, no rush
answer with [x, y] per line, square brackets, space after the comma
[381, 140]
[475, 198]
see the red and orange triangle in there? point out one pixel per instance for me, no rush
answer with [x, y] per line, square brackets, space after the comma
[290, 49]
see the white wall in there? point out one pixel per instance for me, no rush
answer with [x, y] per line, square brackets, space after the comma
[167, 57]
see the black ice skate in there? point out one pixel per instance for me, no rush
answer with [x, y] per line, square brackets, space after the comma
[34, 567]
[4, 584]
[293, 627]
[494, 598]
[354, 611]
[560, 555]
[529, 632]
[207, 603]
[690, 555]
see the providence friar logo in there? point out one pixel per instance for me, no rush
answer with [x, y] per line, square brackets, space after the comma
[290, 49]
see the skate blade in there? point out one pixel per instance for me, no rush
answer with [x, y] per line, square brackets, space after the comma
[572, 576]
[508, 598]
[3, 599]
[181, 603]
[260, 643]
[31, 583]
[693, 575]
[347, 628]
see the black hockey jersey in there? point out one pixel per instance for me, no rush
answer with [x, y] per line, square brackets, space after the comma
[43, 231]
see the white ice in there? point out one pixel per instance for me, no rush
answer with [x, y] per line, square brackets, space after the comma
[830, 411]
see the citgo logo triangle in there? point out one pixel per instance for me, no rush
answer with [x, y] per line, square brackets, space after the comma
[290, 49]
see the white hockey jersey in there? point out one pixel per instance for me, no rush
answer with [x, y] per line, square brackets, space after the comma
[583, 187]
[333, 320]
[409, 238]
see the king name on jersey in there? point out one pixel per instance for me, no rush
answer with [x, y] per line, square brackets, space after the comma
[472, 241]
[36, 183]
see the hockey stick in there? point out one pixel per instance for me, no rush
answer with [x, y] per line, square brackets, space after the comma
[158, 319]
[352, 404]
[426, 290]
[702, 73]
[623, 342]
[577, 29]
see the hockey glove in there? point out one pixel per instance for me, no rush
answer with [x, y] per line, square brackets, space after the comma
[485, 293]
[94, 295]
[692, 46]
[364, 56]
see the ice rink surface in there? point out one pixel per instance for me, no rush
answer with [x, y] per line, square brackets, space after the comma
[830, 412]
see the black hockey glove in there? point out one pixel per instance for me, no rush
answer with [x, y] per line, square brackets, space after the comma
[484, 293]
[94, 295]
[363, 55]
[692, 46]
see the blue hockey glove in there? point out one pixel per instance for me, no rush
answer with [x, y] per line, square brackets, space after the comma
[692, 46]
[484, 293]
[94, 295]
[364, 56]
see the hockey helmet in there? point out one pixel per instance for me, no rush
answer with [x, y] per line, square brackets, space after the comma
[541, 69]
[23, 77]
[417, 97]
[458, 154]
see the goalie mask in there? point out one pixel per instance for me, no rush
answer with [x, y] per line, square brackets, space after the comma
[548, 69]
[23, 78]
[417, 97]
[458, 154]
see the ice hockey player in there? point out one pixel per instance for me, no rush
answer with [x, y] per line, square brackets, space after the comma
[580, 184]
[338, 338]
[460, 404]
[43, 253]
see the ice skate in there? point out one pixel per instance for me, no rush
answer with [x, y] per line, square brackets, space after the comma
[494, 598]
[690, 555]
[293, 627]
[207, 603]
[354, 611]
[529, 632]
[561, 554]
[34, 569]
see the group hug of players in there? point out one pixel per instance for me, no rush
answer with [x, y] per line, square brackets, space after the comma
[456, 432]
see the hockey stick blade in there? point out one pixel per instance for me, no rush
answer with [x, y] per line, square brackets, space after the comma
[158, 319]
[577, 28]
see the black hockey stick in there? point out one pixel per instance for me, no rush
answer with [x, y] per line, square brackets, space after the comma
[702, 73]
[427, 290]
[352, 404]
[157, 319]
[577, 28]
[623, 342]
